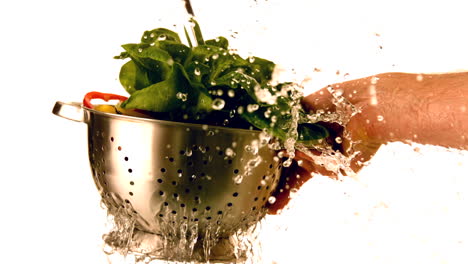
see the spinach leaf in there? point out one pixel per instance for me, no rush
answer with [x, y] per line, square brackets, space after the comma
[179, 52]
[240, 81]
[163, 96]
[309, 134]
[133, 77]
[181, 83]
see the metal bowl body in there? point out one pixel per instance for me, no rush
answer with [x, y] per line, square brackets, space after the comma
[167, 174]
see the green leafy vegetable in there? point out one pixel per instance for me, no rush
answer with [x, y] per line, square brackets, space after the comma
[210, 84]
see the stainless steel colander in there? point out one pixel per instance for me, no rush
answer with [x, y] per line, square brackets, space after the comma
[172, 173]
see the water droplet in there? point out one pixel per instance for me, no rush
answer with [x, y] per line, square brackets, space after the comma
[272, 199]
[215, 56]
[380, 118]
[293, 192]
[218, 104]
[338, 92]
[287, 163]
[210, 133]
[240, 110]
[188, 152]
[140, 50]
[338, 140]
[197, 72]
[162, 37]
[205, 127]
[252, 107]
[219, 92]
[229, 152]
[238, 179]
[254, 162]
[251, 59]
[152, 35]
[263, 182]
[274, 119]
[231, 93]
[253, 147]
[264, 138]
[181, 96]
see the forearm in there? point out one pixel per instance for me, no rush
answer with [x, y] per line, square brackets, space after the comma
[427, 109]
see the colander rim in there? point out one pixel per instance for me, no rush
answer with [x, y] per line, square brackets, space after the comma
[171, 123]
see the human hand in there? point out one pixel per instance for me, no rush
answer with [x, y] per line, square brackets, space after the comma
[352, 136]
[404, 107]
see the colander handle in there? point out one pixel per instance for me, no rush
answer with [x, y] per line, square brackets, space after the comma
[72, 111]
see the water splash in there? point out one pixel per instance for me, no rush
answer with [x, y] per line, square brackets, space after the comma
[296, 94]
[182, 241]
[177, 243]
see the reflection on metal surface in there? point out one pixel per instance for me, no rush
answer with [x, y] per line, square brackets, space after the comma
[167, 175]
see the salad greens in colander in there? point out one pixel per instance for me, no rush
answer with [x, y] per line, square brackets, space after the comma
[209, 84]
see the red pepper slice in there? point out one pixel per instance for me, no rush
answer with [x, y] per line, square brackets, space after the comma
[104, 96]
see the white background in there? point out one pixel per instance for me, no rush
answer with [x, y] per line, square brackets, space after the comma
[407, 207]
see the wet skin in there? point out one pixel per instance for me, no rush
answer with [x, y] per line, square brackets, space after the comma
[421, 108]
